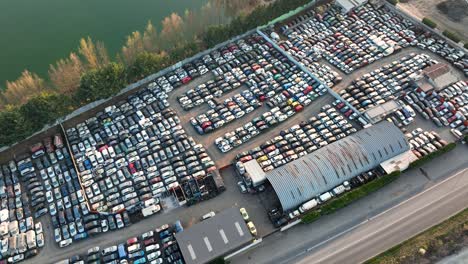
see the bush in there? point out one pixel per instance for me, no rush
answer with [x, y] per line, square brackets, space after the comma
[466, 45]
[353, 195]
[429, 22]
[451, 35]
[311, 216]
[430, 156]
[394, 2]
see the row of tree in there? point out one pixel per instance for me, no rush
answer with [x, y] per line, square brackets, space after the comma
[89, 74]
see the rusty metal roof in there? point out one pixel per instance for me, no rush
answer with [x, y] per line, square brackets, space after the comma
[322, 170]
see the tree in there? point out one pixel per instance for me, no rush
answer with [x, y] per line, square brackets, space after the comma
[95, 55]
[44, 109]
[12, 126]
[66, 73]
[101, 83]
[18, 92]
[145, 64]
[150, 38]
[172, 29]
[133, 47]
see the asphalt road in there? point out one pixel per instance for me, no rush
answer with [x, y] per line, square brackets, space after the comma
[369, 225]
[394, 225]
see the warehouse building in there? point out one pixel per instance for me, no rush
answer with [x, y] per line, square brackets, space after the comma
[214, 237]
[322, 170]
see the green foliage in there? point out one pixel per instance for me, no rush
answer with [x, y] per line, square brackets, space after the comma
[17, 123]
[466, 45]
[146, 63]
[451, 35]
[430, 156]
[311, 216]
[429, 22]
[219, 260]
[12, 126]
[101, 83]
[394, 2]
[351, 196]
[44, 109]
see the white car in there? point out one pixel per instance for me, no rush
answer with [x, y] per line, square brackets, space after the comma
[208, 215]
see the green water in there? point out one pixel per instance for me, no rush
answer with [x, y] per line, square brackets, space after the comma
[36, 33]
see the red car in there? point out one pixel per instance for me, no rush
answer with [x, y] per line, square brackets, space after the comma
[186, 80]
[298, 108]
[132, 168]
[132, 241]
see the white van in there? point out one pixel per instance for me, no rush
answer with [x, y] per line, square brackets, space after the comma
[325, 197]
[308, 205]
[338, 190]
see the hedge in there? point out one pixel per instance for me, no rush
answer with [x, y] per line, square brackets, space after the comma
[451, 35]
[429, 22]
[430, 156]
[349, 197]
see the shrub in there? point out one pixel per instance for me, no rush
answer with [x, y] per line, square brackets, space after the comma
[429, 22]
[466, 45]
[451, 35]
[311, 216]
[394, 2]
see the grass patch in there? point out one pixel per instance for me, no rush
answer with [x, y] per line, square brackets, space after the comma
[452, 36]
[438, 241]
[347, 198]
[430, 156]
[429, 22]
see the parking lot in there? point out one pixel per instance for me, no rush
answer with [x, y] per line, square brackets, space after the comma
[155, 155]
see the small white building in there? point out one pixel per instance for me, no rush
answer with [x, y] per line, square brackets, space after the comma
[349, 5]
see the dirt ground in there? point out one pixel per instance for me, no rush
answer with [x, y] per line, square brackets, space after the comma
[448, 14]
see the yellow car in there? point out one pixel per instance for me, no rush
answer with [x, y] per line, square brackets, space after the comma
[295, 104]
[252, 228]
[262, 158]
[244, 214]
[289, 101]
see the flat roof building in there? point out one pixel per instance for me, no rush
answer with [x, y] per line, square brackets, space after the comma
[322, 170]
[254, 173]
[379, 112]
[436, 77]
[214, 237]
[349, 5]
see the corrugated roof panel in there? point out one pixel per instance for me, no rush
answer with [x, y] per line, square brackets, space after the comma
[327, 167]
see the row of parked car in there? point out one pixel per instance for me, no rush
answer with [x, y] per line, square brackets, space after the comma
[365, 35]
[21, 236]
[231, 109]
[299, 140]
[386, 83]
[424, 142]
[155, 247]
[347, 42]
[276, 115]
[135, 150]
[445, 107]
[68, 207]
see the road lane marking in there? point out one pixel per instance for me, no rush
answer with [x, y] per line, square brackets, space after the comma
[373, 217]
